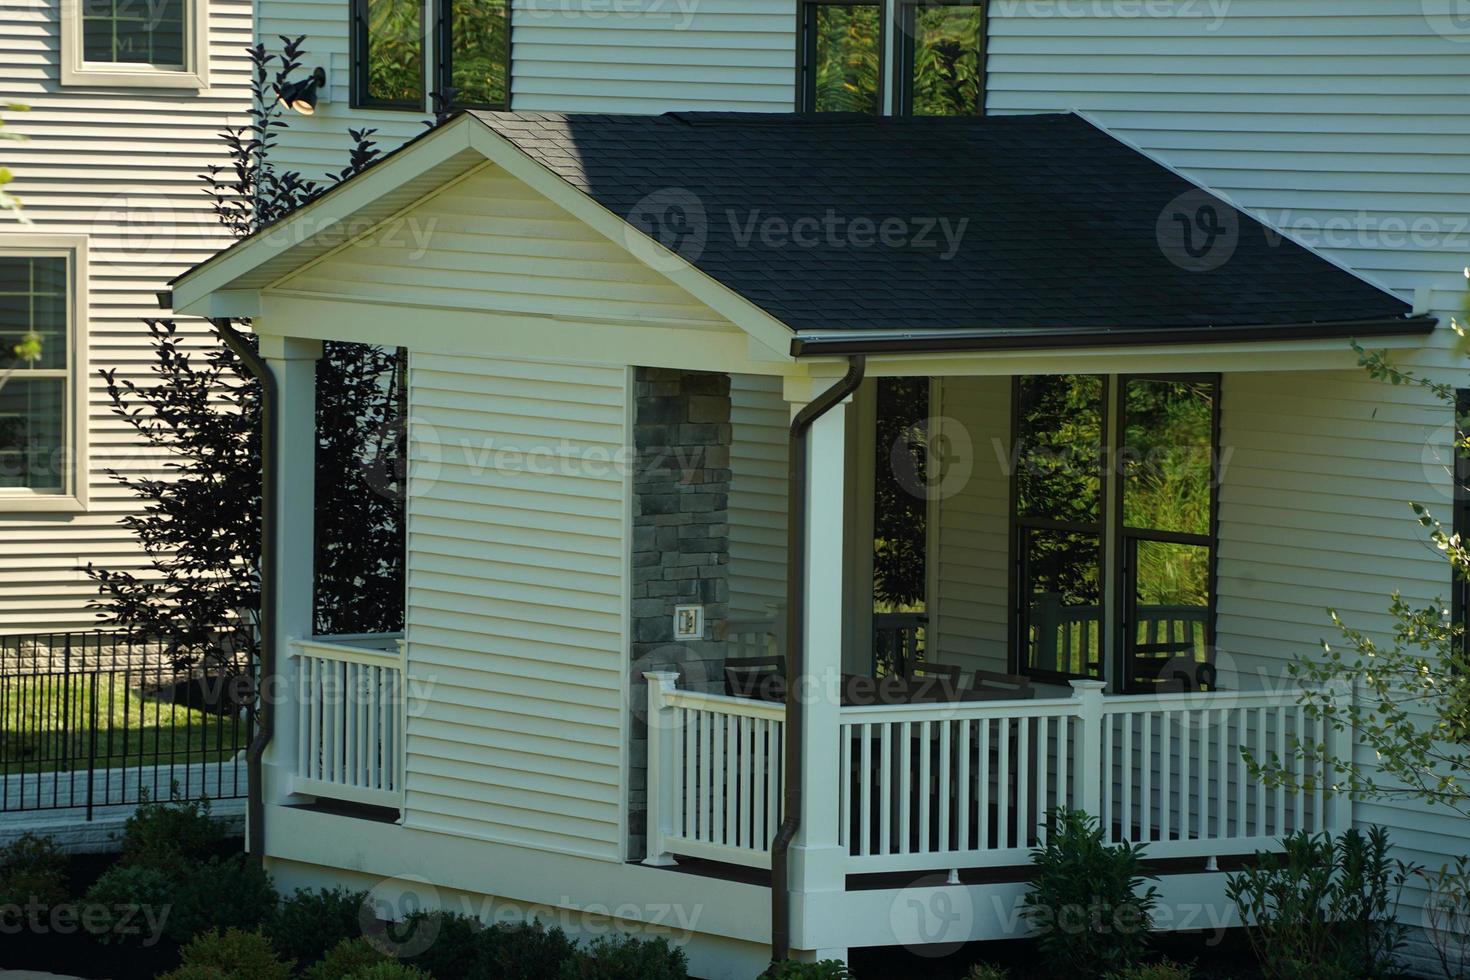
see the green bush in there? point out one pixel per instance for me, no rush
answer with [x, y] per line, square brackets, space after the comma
[32, 870]
[222, 893]
[307, 924]
[988, 971]
[172, 836]
[820, 970]
[1087, 900]
[348, 958]
[627, 958]
[1165, 970]
[521, 951]
[388, 970]
[1325, 909]
[457, 946]
[229, 955]
[135, 898]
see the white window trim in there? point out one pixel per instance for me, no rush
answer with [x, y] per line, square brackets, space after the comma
[194, 75]
[72, 498]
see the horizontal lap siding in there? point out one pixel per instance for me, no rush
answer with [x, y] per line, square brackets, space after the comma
[647, 56]
[758, 451]
[1341, 121]
[120, 166]
[516, 602]
[970, 546]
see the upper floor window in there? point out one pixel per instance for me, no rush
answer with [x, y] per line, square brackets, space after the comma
[941, 58]
[469, 47]
[42, 371]
[151, 43]
[842, 56]
[937, 53]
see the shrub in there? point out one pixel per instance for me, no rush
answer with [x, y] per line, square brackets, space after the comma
[1087, 899]
[386, 970]
[348, 958]
[229, 955]
[308, 923]
[1325, 908]
[820, 970]
[523, 951]
[135, 899]
[456, 948]
[221, 893]
[32, 870]
[1447, 916]
[1164, 970]
[627, 958]
[987, 971]
[171, 836]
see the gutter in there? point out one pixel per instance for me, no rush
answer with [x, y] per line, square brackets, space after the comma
[796, 563]
[955, 341]
[265, 712]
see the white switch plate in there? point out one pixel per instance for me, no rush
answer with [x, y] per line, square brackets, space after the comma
[688, 622]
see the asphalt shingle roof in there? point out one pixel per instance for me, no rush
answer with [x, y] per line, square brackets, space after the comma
[1038, 223]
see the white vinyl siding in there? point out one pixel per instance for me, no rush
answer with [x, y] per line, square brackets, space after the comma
[119, 166]
[969, 622]
[760, 418]
[517, 602]
[647, 56]
[1344, 121]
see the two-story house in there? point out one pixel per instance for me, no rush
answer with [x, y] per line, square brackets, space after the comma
[647, 356]
[125, 103]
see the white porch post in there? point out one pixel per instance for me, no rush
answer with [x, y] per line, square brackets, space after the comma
[661, 761]
[818, 862]
[293, 363]
[1091, 771]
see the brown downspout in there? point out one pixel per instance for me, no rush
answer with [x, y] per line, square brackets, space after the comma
[796, 561]
[265, 711]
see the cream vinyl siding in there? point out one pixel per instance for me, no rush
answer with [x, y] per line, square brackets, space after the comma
[646, 56]
[760, 418]
[120, 166]
[517, 601]
[969, 625]
[1315, 114]
[488, 242]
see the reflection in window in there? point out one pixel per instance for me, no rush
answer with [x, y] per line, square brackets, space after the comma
[1168, 486]
[475, 40]
[1058, 516]
[943, 59]
[843, 57]
[388, 53]
[134, 32]
[33, 393]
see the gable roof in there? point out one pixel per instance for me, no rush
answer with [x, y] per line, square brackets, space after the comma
[844, 234]
[1027, 226]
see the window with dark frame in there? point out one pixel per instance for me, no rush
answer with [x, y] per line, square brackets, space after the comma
[1167, 499]
[841, 63]
[34, 399]
[474, 52]
[1057, 524]
[941, 58]
[388, 54]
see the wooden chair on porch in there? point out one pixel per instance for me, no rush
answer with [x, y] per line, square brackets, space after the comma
[990, 685]
[761, 678]
[929, 683]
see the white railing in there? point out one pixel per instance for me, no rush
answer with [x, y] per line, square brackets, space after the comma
[350, 714]
[1176, 777]
[954, 785]
[714, 775]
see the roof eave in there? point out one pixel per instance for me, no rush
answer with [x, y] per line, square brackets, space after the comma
[945, 342]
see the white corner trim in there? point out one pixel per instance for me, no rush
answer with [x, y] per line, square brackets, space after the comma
[194, 76]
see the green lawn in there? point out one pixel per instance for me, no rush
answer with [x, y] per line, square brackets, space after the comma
[47, 724]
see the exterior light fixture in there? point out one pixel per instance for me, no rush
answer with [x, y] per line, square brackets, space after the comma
[303, 95]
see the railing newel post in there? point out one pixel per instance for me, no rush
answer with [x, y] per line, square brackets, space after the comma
[661, 759]
[1090, 765]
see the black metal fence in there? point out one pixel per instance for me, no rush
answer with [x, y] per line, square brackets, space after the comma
[110, 717]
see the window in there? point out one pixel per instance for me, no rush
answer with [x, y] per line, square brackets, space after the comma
[941, 58]
[42, 431]
[1166, 468]
[842, 56]
[157, 43]
[1161, 525]
[474, 46]
[1058, 524]
[388, 54]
